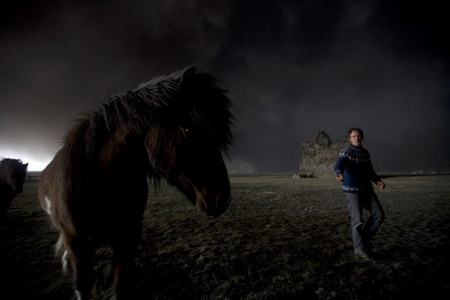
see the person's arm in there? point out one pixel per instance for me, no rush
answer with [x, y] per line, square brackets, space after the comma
[376, 179]
[339, 168]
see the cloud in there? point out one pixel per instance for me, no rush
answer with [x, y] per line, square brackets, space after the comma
[292, 68]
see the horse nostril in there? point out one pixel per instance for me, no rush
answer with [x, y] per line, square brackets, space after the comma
[200, 206]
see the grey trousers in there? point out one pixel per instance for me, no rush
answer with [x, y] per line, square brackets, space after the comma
[363, 232]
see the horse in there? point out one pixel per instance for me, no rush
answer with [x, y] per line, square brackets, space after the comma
[174, 127]
[12, 176]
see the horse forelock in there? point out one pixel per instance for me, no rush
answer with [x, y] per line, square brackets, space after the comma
[211, 108]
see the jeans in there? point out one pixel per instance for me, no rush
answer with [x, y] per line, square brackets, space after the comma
[363, 232]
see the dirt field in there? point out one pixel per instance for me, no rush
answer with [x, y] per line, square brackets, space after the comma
[281, 238]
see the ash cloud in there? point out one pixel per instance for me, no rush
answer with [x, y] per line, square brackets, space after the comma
[293, 68]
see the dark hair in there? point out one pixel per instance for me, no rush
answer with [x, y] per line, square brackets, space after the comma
[355, 129]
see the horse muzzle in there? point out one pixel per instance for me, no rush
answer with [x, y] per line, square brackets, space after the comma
[212, 204]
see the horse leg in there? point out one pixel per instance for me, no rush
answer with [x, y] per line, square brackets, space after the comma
[124, 268]
[124, 272]
[6, 198]
[4, 207]
[81, 252]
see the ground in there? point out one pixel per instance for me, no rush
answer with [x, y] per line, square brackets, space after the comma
[281, 238]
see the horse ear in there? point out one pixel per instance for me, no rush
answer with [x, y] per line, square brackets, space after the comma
[187, 73]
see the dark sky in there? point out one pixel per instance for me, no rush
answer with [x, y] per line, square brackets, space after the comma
[292, 68]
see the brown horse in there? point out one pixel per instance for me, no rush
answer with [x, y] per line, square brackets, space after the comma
[95, 189]
[12, 176]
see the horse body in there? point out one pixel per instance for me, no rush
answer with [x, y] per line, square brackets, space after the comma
[95, 189]
[12, 176]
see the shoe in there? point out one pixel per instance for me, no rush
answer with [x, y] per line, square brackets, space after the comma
[361, 254]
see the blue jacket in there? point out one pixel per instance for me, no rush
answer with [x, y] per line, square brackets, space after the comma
[355, 165]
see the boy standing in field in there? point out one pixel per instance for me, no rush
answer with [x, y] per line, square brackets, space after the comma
[354, 168]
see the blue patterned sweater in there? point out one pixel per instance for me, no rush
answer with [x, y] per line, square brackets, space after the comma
[355, 165]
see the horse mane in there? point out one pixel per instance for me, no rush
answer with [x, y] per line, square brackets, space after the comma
[135, 108]
[164, 97]
[186, 94]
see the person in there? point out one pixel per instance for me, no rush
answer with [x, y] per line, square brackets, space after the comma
[354, 169]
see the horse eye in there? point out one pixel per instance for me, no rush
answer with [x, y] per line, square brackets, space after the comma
[187, 132]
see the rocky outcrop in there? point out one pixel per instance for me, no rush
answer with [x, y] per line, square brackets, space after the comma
[319, 156]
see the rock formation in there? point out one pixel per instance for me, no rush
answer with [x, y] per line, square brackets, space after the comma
[319, 156]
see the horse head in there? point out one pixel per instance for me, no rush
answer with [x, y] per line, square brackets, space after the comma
[14, 172]
[185, 145]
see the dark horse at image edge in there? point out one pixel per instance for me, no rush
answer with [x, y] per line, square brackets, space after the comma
[95, 189]
[12, 176]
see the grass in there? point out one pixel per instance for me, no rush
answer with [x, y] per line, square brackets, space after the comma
[281, 238]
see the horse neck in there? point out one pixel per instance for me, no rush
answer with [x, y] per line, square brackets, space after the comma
[122, 144]
[4, 171]
[7, 176]
[89, 148]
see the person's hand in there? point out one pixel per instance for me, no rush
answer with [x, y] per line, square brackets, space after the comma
[339, 177]
[381, 185]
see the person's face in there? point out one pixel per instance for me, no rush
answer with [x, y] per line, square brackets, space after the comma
[355, 138]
